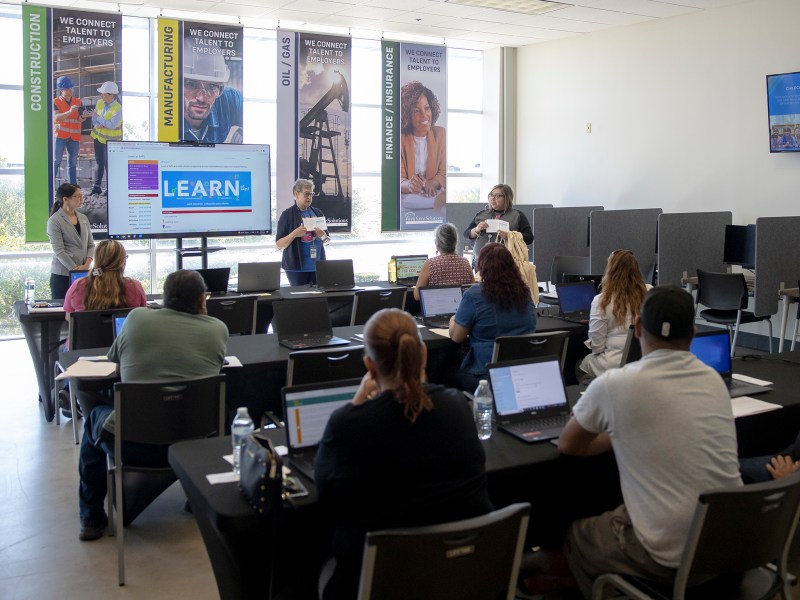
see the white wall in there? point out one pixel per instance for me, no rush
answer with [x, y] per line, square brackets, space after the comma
[678, 110]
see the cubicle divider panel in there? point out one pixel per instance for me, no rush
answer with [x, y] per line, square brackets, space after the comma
[560, 231]
[460, 215]
[633, 230]
[777, 260]
[688, 241]
[527, 210]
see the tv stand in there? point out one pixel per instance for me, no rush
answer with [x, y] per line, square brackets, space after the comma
[203, 250]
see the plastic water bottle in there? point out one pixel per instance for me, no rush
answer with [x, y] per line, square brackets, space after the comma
[242, 427]
[30, 290]
[393, 270]
[483, 409]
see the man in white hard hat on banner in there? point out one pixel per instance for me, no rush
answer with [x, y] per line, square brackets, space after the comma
[106, 125]
[212, 112]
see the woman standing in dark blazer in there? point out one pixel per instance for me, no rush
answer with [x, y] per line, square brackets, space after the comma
[70, 236]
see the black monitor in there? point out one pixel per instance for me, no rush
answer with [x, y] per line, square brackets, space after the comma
[740, 246]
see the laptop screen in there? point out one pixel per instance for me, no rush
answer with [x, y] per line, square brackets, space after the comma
[119, 321]
[714, 349]
[575, 297]
[308, 407]
[75, 275]
[298, 318]
[335, 273]
[437, 301]
[408, 267]
[528, 386]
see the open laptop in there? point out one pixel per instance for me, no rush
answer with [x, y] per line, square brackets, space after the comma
[304, 323]
[714, 349]
[530, 399]
[216, 279]
[575, 301]
[75, 275]
[575, 278]
[335, 275]
[117, 323]
[307, 409]
[439, 303]
[408, 268]
[259, 277]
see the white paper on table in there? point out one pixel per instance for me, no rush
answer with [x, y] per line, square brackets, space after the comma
[745, 405]
[311, 223]
[753, 380]
[228, 458]
[440, 331]
[227, 477]
[232, 362]
[495, 225]
[281, 450]
[88, 368]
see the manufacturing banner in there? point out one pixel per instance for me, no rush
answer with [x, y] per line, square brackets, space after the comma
[314, 112]
[415, 102]
[73, 87]
[168, 91]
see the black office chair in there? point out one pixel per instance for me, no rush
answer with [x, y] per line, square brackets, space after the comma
[473, 559]
[546, 343]
[742, 534]
[160, 413]
[576, 265]
[632, 350]
[325, 364]
[725, 295]
[367, 302]
[239, 314]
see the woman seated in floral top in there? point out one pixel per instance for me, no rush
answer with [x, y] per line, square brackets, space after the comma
[447, 267]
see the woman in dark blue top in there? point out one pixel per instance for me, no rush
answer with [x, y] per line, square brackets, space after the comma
[302, 248]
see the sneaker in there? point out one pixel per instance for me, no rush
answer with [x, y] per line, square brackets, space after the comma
[96, 191]
[92, 530]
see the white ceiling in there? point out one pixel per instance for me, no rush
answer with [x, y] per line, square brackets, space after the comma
[431, 21]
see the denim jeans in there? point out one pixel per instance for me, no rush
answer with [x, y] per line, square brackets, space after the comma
[72, 148]
[101, 158]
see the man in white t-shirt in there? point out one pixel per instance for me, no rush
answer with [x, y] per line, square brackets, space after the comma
[669, 422]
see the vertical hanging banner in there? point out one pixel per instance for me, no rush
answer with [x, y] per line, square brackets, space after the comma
[213, 111]
[390, 140]
[80, 70]
[422, 189]
[314, 98]
[169, 114]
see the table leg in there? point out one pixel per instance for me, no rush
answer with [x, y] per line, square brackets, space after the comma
[787, 300]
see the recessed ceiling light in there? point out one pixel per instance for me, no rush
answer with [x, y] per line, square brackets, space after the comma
[528, 7]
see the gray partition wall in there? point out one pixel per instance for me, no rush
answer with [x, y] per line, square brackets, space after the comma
[777, 260]
[560, 231]
[688, 241]
[633, 230]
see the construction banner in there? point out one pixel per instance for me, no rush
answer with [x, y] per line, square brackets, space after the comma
[73, 62]
[314, 112]
[414, 170]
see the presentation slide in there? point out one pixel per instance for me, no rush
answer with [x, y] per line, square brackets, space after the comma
[163, 190]
[783, 99]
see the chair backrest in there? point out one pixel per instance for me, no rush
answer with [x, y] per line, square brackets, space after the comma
[164, 412]
[632, 350]
[533, 345]
[325, 364]
[721, 291]
[93, 328]
[474, 559]
[239, 314]
[741, 528]
[367, 302]
[576, 265]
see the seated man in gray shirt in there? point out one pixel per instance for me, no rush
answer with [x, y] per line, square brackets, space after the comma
[669, 421]
[179, 341]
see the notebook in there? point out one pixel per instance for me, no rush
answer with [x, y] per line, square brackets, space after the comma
[335, 275]
[75, 275]
[408, 268]
[575, 301]
[304, 323]
[530, 399]
[714, 349]
[307, 409]
[216, 279]
[439, 303]
[259, 277]
[118, 322]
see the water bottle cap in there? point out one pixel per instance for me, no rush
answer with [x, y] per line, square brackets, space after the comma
[242, 410]
[483, 381]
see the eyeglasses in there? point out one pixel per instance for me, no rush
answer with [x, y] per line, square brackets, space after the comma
[194, 87]
[492, 196]
[306, 194]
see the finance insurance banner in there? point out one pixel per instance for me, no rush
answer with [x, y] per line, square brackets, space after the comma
[314, 73]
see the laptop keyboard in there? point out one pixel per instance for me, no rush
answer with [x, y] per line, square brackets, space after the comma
[319, 341]
[540, 423]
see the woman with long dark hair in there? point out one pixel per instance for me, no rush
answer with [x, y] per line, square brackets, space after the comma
[500, 305]
[500, 206]
[402, 453]
[70, 236]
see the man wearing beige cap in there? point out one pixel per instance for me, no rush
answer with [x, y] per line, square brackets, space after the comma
[106, 126]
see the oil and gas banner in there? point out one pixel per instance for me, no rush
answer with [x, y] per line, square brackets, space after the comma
[414, 141]
[314, 73]
[72, 100]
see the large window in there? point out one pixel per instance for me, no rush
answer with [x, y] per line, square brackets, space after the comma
[150, 262]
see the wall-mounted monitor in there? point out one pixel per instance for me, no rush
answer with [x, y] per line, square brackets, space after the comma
[178, 190]
[783, 103]
[740, 246]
